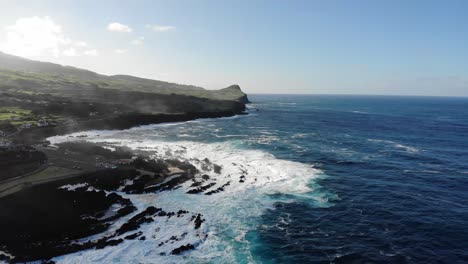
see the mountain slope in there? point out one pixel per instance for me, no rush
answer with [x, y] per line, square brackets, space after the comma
[22, 74]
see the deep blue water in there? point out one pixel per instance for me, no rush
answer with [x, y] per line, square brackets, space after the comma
[398, 171]
[392, 185]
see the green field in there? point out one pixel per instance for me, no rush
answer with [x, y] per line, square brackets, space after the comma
[19, 116]
[10, 113]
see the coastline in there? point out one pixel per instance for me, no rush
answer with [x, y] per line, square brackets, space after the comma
[37, 135]
[35, 138]
[60, 169]
[54, 197]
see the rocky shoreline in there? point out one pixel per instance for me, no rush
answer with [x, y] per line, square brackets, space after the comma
[37, 135]
[54, 217]
[74, 196]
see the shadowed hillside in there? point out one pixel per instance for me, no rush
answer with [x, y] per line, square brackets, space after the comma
[37, 96]
[19, 74]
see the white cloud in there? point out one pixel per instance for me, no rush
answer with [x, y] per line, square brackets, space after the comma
[120, 51]
[117, 27]
[70, 52]
[158, 28]
[39, 36]
[81, 44]
[91, 52]
[34, 36]
[138, 41]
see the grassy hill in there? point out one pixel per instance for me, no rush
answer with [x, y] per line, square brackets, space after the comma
[37, 94]
[22, 75]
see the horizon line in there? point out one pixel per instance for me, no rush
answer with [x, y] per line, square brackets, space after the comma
[350, 94]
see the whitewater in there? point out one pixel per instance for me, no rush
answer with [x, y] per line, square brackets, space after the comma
[251, 180]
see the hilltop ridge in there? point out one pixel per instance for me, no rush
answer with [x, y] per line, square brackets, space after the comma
[41, 96]
[20, 73]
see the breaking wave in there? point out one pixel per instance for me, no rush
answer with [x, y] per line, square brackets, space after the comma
[249, 179]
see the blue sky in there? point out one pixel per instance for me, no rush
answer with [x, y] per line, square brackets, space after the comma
[333, 47]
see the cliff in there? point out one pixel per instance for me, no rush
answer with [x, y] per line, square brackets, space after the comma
[20, 74]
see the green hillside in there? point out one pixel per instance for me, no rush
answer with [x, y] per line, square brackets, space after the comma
[22, 75]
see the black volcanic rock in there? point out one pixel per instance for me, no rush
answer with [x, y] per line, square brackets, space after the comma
[134, 235]
[198, 220]
[181, 249]
[219, 189]
[135, 222]
[217, 168]
[44, 221]
[201, 188]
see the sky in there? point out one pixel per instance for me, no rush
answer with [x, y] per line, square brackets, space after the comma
[393, 47]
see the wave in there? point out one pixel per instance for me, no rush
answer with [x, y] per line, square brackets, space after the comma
[254, 177]
[359, 112]
[407, 148]
[185, 135]
[301, 135]
[226, 136]
[264, 139]
[397, 145]
[199, 120]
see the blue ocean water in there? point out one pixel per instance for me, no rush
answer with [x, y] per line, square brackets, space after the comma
[391, 184]
[398, 167]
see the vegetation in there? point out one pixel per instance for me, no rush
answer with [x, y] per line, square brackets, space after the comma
[37, 94]
[32, 77]
[59, 99]
[20, 117]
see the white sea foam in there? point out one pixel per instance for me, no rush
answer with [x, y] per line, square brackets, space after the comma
[5, 254]
[229, 214]
[72, 187]
[359, 112]
[301, 135]
[226, 136]
[407, 148]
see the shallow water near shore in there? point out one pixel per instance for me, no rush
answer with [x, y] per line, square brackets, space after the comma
[327, 179]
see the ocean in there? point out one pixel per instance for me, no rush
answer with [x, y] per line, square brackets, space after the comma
[310, 179]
